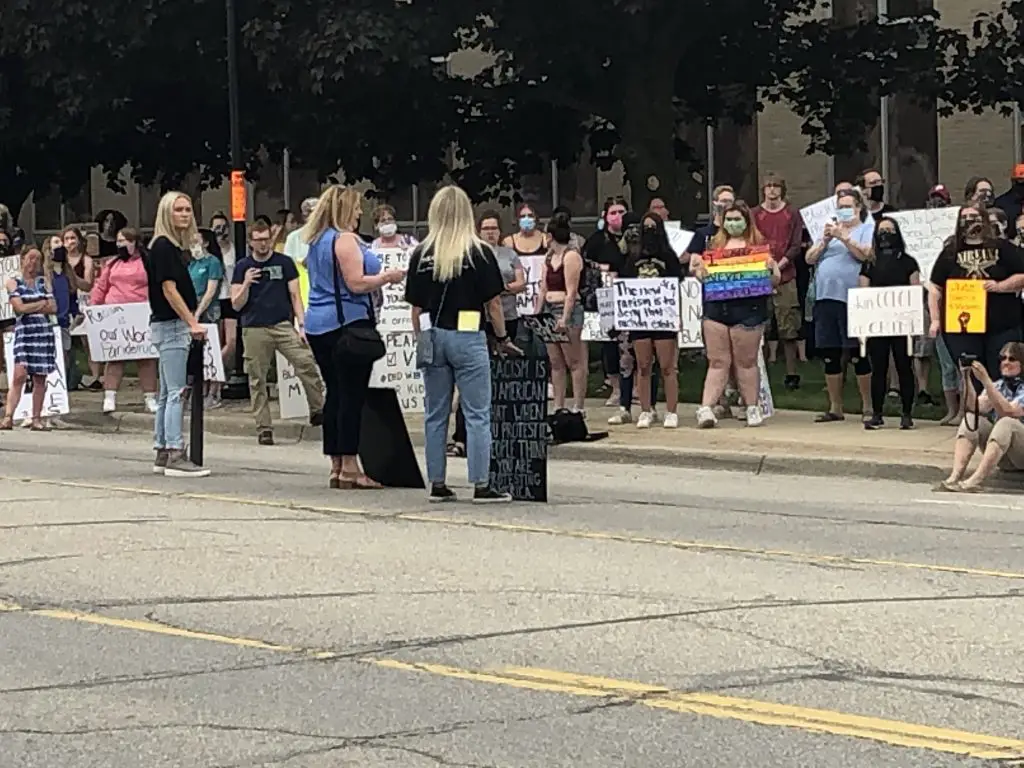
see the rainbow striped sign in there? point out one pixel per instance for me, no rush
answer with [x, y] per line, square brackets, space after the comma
[737, 274]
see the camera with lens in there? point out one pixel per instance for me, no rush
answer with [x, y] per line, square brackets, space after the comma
[967, 360]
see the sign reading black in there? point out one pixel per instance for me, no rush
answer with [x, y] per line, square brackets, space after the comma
[519, 427]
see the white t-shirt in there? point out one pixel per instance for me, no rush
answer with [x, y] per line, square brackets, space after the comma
[295, 247]
[229, 269]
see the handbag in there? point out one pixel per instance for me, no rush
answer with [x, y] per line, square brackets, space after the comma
[362, 342]
[425, 349]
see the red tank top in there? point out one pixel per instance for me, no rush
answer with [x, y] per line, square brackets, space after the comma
[555, 278]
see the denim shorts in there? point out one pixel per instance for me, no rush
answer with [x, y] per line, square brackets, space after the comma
[575, 317]
[830, 325]
[748, 313]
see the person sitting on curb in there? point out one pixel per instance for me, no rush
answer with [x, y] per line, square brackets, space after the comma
[265, 293]
[1001, 436]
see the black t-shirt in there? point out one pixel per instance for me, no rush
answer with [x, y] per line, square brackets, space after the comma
[478, 283]
[885, 210]
[701, 237]
[108, 248]
[269, 301]
[652, 265]
[603, 248]
[168, 263]
[993, 261]
[889, 269]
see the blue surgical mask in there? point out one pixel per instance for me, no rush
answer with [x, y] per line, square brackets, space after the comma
[527, 223]
[845, 215]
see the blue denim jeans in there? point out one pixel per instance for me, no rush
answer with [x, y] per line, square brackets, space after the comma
[460, 359]
[171, 339]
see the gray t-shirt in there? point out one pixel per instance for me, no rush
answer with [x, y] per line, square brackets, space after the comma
[508, 263]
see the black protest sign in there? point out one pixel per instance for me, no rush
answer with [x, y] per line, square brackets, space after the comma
[384, 445]
[519, 427]
[543, 327]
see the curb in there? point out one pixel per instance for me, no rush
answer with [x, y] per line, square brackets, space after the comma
[600, 452]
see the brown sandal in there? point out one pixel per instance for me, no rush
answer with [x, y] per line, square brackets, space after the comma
[358, 483]
[6, 424]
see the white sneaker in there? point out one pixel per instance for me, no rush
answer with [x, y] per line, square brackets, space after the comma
[645, 420]
[109, 402]
[671, 420]
[151, 405]
[622, 417]
[706, 418]
[755, 417]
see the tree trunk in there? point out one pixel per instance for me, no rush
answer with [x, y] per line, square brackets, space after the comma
[736, 159]
[850, 163]
[14, 191]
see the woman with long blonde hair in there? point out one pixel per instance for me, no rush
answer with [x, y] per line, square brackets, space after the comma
[341, 325]
[454, 278]
[172, 303]
[734, 324]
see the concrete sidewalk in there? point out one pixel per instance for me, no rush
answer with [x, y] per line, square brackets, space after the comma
[789, 443]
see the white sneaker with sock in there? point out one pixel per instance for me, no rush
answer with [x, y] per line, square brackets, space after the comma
[755, 417]
[622, 417]
[109, 401]
[706, 418]
[645, 420]
[671, 420]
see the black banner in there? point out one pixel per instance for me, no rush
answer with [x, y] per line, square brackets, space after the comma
[519, 427]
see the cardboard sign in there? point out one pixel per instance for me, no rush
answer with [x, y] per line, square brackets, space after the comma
[119, 332]
[737, 274]
[646, 304]
[291, 395]
[597, 325]
[691, 314]
[925, 232]
[966, 306]
[528, 302]
[816, 216]
[592, 327]
[10, 267]
[397, 371]
[884, 312]
[213, 363]
[519, 427]
[55, 401]
[394, 314]
[543, 327]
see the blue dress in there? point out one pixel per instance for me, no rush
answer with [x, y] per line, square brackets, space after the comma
[34, 345]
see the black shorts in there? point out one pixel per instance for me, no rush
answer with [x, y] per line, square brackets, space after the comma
[830, 326]
[227, 312]
[652, 335]
[748, 313]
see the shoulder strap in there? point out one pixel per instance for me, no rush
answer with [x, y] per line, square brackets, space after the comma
[339, 305]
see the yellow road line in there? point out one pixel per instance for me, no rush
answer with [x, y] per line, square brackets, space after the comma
[890, 732]
[570, 533]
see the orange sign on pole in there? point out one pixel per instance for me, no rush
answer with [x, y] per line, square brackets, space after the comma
[239, 196]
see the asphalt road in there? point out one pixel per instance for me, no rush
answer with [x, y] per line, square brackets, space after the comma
[646, 617]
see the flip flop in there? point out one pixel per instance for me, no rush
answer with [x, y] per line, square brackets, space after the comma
[828, 418]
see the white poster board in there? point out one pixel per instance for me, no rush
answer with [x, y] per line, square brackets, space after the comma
[528, 302]
[55, 401]
[815, 217]
[397, 370]
[394, 314]
[10, 267]
[691, 314]
[881, 312]
[678, 237]
[646, 304]
[764, 393]
[213, 363]
[597, 325]
[592, 327]
[291, 395]
[119, 332]
[925, 231]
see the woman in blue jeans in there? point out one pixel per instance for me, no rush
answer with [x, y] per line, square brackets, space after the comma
[453, 279]
[173, 324]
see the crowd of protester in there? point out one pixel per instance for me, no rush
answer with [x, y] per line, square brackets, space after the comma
[306, 286]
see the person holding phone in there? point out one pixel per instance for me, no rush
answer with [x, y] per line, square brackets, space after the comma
[173, 324]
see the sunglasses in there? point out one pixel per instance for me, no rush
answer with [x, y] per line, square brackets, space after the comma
[1008, 359]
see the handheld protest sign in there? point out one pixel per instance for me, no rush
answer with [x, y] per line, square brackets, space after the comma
[966, 306]
[519, 427]
[543, 327]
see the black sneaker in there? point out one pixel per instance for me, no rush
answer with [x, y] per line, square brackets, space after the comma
[906, 422]
[96, 386]
[925, 398]
[488, 495]
[442, 493]
[875, 422]
[266, 437]
[316, 418]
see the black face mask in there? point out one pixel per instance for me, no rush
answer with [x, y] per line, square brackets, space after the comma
[650, 240]
[60, 255]
[1013, 382]
[888, 242]
[877, 194]
[123, 253]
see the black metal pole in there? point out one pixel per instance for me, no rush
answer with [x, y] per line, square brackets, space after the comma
[195, 374]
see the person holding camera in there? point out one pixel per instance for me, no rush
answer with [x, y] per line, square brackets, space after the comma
[1001, 434]
[976, 253]
[265, 294]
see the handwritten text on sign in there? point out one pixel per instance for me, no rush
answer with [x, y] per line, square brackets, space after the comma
[691, 314]
[10, 266]
[528, 302]
[647, 304]
[291, 395]
[737, 274]
[119, 332]
[966, 306]
[882, 312]
[519, 427]
[397, 370]
[925, 232]
[55, 401]
[394, 313]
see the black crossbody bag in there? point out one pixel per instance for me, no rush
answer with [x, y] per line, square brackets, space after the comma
[363, 342]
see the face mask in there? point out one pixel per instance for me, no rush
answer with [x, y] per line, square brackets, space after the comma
[123, 253]
[975, 229]
[614, 221]
[1013, 381]
[877, 194]
[986, 197]
[527, 223]
[735, 228]
[649, 240]
[388, 229]
[221, 231]
[887, 241]
[60, 255]
[845, 215]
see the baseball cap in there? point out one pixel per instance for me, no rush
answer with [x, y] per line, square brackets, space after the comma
[1018, 171]
[939, 190]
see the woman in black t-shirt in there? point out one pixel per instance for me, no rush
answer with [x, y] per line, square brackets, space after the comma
[975, 253]
[453, 279]
[891, 266]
